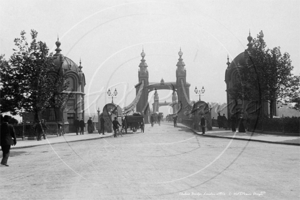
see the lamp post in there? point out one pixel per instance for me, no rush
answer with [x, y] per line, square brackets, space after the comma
[199, 92]
[112, 94]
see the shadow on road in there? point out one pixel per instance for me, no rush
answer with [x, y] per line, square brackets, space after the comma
[16, 153]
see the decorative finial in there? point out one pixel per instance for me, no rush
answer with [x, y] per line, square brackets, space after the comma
[228, 63]
[80, 67]
[143, 54]
[249, 38]
[57, 43]
[180, 53]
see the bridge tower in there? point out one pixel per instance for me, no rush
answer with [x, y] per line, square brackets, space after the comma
[143, 75]
[182, 86]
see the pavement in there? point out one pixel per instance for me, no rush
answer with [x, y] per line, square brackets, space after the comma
[216, 133]
[53, 139]
[163, 163]
[251, 136]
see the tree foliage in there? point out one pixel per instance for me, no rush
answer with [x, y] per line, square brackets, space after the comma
[9, 88]
[267, 76]
[38, 80]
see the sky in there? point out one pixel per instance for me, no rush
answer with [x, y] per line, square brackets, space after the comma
[109, 35]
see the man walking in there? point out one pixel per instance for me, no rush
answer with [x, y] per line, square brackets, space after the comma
[39, 130]
[8, 138]
[82, 125]
[203, 124]
[175, 120]
[102, 121]
[158, 119]
[116, 125]
[76, 125]
[44, 128]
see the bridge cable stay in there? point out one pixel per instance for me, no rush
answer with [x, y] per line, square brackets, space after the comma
[133, 104]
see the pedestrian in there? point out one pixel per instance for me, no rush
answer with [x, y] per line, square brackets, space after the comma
[116, 125]
[142, 126]
[39, 130]
[158, 119]
[8, 138]
[102, 122]
[233, 122]
[76, 125]
[152, 120]
[203, 124]
[241, 126]
[219, 119]
[44, 128]
[224, 121]
[175, 120]
[81, 125]
[90, 125]
[123, 125]
[59, 129]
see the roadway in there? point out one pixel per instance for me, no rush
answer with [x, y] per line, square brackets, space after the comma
[165, 162]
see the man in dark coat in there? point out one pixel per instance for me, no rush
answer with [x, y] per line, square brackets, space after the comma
[90, 125]
[116, 125]
[39, 130]
[224, 121]
[202, 124]
[175, 120]
[44, 128]
[233, 122]
[8, 138]
[81, 125]
[241, 126]
[158, 119]
[151, 120]
[102, 121]
[219, 119]
[76, 125]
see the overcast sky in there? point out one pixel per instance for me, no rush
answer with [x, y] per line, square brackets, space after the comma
[109, 35]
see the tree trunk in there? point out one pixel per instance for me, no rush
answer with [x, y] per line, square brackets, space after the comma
[36, 116]
[271, 109]
[32, 134]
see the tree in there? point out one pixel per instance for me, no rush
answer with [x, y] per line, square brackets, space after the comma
[294, 94]
[9, 88]
[38, 80]
[267, 76]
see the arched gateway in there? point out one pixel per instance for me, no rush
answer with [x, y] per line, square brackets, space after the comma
[181, 87]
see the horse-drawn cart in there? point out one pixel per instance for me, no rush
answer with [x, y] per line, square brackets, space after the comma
[134, 122]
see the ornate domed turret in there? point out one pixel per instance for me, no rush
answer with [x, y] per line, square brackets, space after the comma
[74, 77]
[63, 62]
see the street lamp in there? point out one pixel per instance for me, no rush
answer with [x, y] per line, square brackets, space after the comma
[112, 94]
[199, 92]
